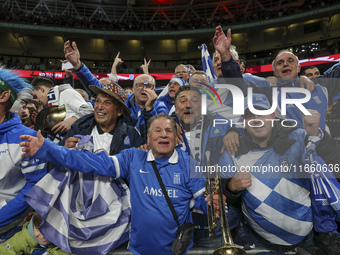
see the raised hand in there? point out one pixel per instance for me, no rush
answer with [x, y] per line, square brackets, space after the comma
[72, 54]
[118, 61]
[222, 43]
[152, 96]
[145, 66]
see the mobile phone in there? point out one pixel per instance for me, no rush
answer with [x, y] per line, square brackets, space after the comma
[66, 65]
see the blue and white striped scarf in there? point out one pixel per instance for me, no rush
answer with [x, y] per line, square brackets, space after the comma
[325, 191]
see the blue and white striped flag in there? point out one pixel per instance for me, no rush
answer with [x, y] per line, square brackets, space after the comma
[325, 191]
[207, 63]
[82, 213]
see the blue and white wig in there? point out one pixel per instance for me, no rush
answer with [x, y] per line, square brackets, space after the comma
[19, 85]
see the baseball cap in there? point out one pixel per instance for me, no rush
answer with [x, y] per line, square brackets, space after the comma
[258, 100]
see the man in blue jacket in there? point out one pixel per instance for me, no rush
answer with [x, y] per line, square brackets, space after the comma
[169, 99]
[285, 68]
[18, 174]
[142, 103]
[149, 207]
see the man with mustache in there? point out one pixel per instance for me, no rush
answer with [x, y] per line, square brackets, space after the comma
[203, 141]
[106, 124]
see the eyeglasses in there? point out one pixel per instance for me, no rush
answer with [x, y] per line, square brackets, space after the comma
[180, 71]
[197, 81]
[144, 85]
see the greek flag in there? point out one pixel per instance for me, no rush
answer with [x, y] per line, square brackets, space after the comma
[325, 191]
[207, 63]
[82, 213]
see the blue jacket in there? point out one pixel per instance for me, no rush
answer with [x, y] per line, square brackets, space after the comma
[318, 101]
[166, 99]
[124, 136]
[259, 81]
[149, 207]
[18, 174]
[87, 78]
[141, 122]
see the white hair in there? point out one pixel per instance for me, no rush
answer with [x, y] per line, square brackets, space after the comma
[83, 93]
[284, 51]
[234, 53]
[181, 65]
[143, 75]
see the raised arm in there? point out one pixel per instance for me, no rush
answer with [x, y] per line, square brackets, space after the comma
[85, 76]
[72, 54]
[145, 66]
[113, 75]
[83, 161]
[230, 69]
[222, 43]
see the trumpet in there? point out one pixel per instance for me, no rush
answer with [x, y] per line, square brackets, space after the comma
[214, 186]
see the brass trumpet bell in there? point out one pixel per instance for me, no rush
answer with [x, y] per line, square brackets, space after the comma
[214, 186]
[50, 116]
[229, 250]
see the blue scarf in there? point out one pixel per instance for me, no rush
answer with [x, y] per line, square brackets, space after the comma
[325, 192]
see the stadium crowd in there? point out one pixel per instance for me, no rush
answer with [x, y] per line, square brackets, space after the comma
[104, 168]
[99, 21]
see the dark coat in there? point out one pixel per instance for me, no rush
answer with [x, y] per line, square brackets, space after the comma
[124, 136]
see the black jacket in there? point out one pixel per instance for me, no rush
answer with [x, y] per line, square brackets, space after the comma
[85, 124]
[329, 149]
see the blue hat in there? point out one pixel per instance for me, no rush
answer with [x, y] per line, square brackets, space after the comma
[180, 81]
[259, 100]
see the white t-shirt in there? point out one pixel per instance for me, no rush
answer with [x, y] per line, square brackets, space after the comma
[101, 141]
